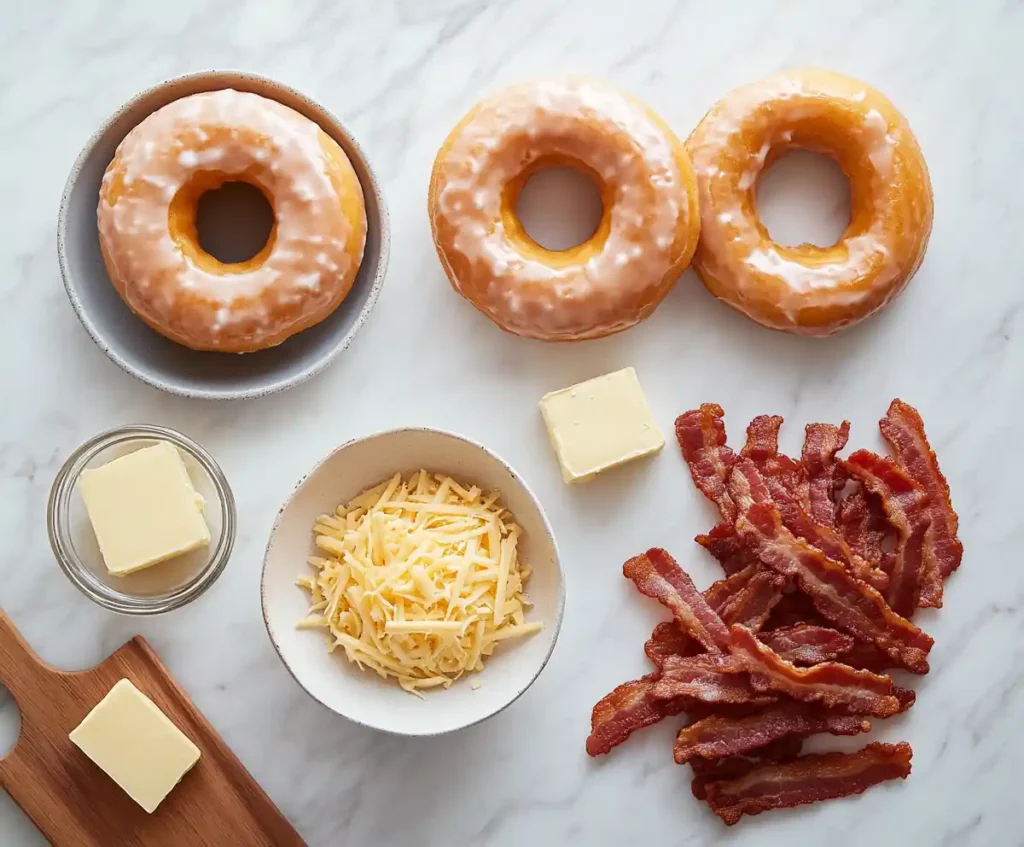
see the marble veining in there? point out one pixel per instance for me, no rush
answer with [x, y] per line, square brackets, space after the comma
[400, 73]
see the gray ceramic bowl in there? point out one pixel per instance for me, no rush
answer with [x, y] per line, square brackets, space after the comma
[153, 358]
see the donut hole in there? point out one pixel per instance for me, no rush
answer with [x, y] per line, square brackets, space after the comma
[804, 198]
[560, 207]
[234, 222]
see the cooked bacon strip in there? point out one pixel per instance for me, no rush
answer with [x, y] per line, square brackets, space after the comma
[864, 527]
[712, 770]
[718, 736]
[753, 603]
[782, 474]
[906, 696]
[709, 679]
[793, 609]
[735, 591]
[747, 597]
[868, 657]
[762, 438]
[714, 678]
[718, 593]
[723, 543]
[628, 708]
[824, 475]
[633, 705]
[747, 487]
[807, 779]
[903, 428]
[905, 505]
[701, 437]
[806, 644]
[830, 683]
[658, 575]
[849, 603]
[832, 545]
[781, 750]
[668, 640]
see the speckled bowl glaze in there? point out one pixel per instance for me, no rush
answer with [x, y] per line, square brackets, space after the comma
[153, 358]
[362, 696]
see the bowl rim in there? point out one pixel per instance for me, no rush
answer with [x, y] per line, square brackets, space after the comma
[71, 564]
[218, 76]
[549, 531]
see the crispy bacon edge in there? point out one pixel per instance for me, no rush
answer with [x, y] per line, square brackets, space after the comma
[914, 580]
[715, 679]
[782, 474]
[807, 779]
[722, 543]
[762, 438]
[713, 770]
[830, 683]
[824, 474]
[748, 487]
[718, 736]
[903, 428]
[701, 436]
[807, 644]
[863, 525]
[656, 574]
[628, 708]
[850, 604]
[668, 640]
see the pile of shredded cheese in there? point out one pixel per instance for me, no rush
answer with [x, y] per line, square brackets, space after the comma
[421, 580]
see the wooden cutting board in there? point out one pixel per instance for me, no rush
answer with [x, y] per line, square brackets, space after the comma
[74, 803]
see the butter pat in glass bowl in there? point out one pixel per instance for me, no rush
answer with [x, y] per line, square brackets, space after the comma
[160, 587]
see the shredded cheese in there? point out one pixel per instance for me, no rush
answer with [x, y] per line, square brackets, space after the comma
[420, 580]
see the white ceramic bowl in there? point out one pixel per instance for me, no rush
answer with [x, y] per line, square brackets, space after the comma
[362, 696]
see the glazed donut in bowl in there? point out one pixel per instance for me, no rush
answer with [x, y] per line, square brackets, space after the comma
[616, 278]
[168, 365]
[147, 222]
[807, 289]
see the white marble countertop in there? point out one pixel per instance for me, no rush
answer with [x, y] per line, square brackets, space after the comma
[401, 74]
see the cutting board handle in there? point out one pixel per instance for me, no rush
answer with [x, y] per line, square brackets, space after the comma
[64, 793]
[20, 671]
[20, 665]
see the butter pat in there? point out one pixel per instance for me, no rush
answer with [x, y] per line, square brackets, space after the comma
[144, 509]
[599, 424]
[136, 745]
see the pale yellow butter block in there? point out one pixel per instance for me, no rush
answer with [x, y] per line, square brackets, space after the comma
[136, 745]
[599, 424]
[144, 509]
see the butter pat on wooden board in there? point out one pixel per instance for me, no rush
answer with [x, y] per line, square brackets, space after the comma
[599, 424]
[144, 509]
[136, 745]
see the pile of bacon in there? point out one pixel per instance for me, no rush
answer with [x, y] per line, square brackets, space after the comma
[825, 562]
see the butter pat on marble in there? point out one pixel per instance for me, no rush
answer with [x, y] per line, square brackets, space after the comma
[599, 424]
[136, 745]
[144, 509]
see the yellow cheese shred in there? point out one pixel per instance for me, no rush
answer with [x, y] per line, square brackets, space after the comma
[419, 580]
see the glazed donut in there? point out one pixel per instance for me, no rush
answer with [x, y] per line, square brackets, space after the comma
[807, 289]
[649, 224]
[147, 222]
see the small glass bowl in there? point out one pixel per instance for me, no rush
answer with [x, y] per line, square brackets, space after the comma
[163, 587]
